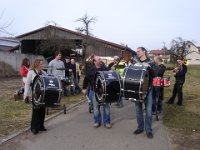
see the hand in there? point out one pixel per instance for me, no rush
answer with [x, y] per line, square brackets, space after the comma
[145, 64]
[84, 91]
[26, 97]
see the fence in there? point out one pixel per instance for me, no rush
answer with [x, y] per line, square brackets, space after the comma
[14, 60]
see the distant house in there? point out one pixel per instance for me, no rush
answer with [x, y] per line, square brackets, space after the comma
[8, 44]
[193, 57]
[166, 54]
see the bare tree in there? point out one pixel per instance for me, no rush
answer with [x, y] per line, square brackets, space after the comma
[86, 21]
[179, 47]
[4, 26]
[86, 29]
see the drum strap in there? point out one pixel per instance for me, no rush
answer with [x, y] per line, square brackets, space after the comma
[39, 73]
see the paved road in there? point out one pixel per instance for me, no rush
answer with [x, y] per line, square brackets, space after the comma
[75, 131]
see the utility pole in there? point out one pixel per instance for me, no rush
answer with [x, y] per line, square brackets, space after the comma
[164, 51]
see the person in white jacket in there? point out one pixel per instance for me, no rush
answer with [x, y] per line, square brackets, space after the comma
[38, 113]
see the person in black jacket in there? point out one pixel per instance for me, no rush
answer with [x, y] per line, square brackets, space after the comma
[179, 74]
[147, 124]
[159, 70]
[90, 71]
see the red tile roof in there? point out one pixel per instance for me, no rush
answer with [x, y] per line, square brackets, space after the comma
[159, 52]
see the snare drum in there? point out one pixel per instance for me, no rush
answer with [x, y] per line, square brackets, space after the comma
[166, 82]
[47, 91]
[157, 81]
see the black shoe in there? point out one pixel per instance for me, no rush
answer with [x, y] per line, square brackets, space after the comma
[138, 131]
[34, 131]
[179, 104]
[150, 135]
[169, 102]
[43, 129]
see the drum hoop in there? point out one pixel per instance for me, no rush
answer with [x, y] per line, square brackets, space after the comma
[101, 79]
[104, 83]
[37, 79]
[124, 77]
[119, 82]
[140, 83]
[60, 92]
[144, 69]
[44, 87]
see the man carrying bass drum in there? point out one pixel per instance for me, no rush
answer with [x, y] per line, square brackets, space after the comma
[38, 113]
[147, 124]
[90, 72]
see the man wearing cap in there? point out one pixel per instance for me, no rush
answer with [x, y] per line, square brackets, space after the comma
[179, 74]
[115, 62]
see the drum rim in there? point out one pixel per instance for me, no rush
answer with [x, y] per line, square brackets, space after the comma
[145, 69]
[101, 74]
[41, 79]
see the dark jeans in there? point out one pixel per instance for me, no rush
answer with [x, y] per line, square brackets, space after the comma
[38, 116]
[157, 98]
[178, 89]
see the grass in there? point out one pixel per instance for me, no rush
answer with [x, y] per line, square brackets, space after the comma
[16, 115]
[188, 115]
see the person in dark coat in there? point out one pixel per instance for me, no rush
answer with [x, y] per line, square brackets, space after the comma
[179, 74]
[90, 72]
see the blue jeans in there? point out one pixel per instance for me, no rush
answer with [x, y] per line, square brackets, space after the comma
[77, 87]
[97, 112]
[139, 113]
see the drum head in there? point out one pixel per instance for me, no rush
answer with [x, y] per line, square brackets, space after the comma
[37, 94]
[46, 91]
[107, 86]
[136, 82]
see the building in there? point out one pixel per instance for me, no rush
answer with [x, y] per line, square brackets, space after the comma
[193, 56]
[68, 41]
[8, 44]
[166, 54]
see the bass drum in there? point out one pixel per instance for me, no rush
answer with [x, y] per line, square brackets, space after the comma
[136, 82]
[47, 91]
[107, 87]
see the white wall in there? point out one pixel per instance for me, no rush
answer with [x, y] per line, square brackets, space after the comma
[194, 56]
[15, 59]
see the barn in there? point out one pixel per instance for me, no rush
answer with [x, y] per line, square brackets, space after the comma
[44, 41]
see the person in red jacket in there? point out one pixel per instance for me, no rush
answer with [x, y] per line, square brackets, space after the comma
[24, 69]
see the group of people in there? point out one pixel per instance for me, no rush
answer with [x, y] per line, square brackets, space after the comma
[69, 72]
[157, 69]
[69, 67]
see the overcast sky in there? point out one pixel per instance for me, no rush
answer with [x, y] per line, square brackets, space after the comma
[135, 23]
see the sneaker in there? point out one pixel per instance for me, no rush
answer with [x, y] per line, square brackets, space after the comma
[108, 126]
[96, 125]
[138, 131]
[150, 135]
